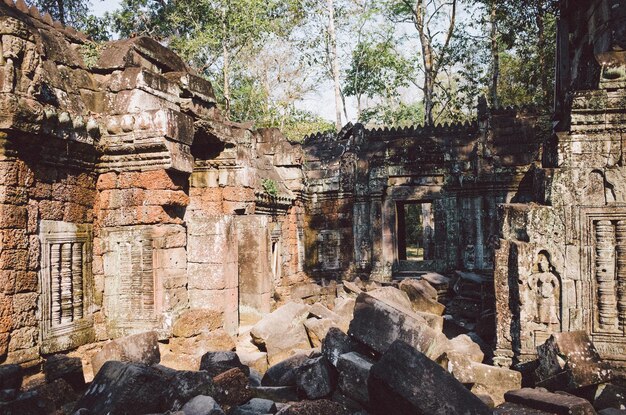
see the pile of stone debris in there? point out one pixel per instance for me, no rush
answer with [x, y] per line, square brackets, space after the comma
[380, 350]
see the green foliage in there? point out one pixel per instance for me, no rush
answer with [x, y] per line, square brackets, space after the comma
[299, 124]
[402, 115]
[90, 52]
[377, 69]
[270, 187]
[74, 13]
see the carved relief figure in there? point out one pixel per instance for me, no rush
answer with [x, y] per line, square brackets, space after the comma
[544, 289]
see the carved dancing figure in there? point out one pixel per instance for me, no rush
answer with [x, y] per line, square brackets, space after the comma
[545, 286]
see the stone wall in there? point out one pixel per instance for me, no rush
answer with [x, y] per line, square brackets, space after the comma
[561, 257]
[359, 180]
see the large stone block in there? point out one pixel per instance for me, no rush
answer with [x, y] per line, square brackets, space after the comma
[422, 295]
[556, 403]
[377, 325]
[194, 322]
[219, 362]
[125, 388]
[354, 370]
[316, 378]
[406, 381]
[138, 348]
[569, 361]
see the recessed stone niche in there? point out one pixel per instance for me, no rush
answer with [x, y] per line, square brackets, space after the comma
[66, 284]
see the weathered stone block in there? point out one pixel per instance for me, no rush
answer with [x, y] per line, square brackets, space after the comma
[232, 388]
[316, 378]
[125, 388]
[569, 361]
[284, 372]
[560, 404]
[378, 325]
[193, 322]
[138, 348]
[354, 370]
[219, 362]
[337, 343]
[317, 329]
[405, 381]
[202, 405]
[422, 295]
[256, 406]
[70, 369]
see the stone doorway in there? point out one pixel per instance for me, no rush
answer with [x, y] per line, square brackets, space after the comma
[415, 230]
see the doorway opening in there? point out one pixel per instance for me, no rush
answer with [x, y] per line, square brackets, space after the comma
[415, 231]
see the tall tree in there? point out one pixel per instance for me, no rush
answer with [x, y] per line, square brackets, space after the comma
[377, 70]
[334, 61]
[435, 22]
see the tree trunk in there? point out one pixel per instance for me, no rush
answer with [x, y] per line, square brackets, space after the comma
[226, 66]
[544, 82]
[61, 7]
[432, 63]
[495, 56]
[334, 61]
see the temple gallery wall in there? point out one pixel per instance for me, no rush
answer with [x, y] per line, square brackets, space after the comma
[126, 198]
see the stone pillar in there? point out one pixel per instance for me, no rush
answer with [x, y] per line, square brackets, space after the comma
[620, 236]
[605, 275]
[212, 255]
[255, 277]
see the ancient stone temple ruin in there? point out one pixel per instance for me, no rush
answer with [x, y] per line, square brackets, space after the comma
[126, 198]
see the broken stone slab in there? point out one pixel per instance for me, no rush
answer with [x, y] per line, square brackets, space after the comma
[219, 362]
[305, 290]
[351, 288]
[283, 373]
[70, 369]
[197, 346]
[556, 403]
[254, 360]
[337, 343]
[393, 297]
[137, 348]
[378, 325]
[440, 282]
[612, 411]
[256, 406]
[316, 378]
[320, 311]
[609, 396]
[275, 393]
[317, 407]
[494, 381]
[464, 344]
[317, 329]
[344, 307]
[184, 385]
[354, 370]
[121, 387]
[202, 405]
[59, 391]
[194, 322]
[28, 403]
[11, 377]
[568, 361]
[288, 315]
[232, 388]
[406, 381]
[282, 332]
[422, 295]
[508, 408]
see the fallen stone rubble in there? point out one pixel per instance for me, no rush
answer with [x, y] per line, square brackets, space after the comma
[374, 350]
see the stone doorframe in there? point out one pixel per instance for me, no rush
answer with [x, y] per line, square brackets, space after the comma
[394, 196]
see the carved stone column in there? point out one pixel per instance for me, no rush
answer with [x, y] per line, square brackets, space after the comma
[605, 275]
[620, 236]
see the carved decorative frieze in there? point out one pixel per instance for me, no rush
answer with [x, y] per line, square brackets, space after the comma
[66, 283]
